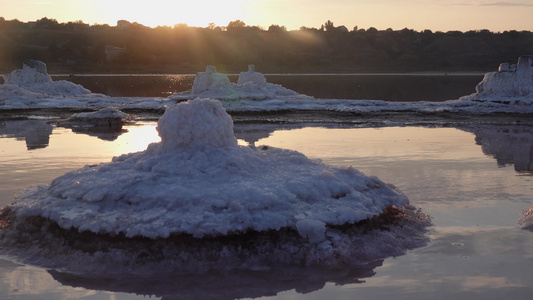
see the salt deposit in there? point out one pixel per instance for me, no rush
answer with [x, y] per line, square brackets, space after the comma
[251, 76]
[34, 78]
[105, 123]
[104, 113]
[256, 206]
[33, 71]
[199, 173]
[209, 79]
[251, 85]
[511, 83]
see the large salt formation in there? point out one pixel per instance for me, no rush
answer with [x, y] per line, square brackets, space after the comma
[513, 83]
[250, 85]
[32, 82]
[208, 202]
[199, 181]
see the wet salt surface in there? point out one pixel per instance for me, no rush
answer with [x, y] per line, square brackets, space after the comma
[474, 192]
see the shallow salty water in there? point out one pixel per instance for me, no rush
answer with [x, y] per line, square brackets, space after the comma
[474, 181]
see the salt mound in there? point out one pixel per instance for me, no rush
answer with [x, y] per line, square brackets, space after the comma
[512, 83]
[33, 71]
[210, 126]
[32, 82]
[251, 76]
[251, 86]
[199, 181]
[209, 79]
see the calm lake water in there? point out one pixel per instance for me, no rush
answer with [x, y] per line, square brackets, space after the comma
[474, 181]
[390, 87]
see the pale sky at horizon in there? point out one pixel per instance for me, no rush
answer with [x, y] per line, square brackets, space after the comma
[436, 15]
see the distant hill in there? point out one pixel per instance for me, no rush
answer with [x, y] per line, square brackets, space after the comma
[134, 48]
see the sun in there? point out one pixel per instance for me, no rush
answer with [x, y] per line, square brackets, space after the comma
[155, 13]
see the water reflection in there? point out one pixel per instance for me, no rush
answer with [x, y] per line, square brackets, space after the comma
[109, 130]
[105, 134]
[233, 284]
[508, 144]
[36, 133]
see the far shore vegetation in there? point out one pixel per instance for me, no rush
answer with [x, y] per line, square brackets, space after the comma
[76, 47]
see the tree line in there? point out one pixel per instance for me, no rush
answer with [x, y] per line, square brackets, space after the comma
[132, 47]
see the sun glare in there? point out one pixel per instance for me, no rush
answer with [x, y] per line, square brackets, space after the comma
[168, 13]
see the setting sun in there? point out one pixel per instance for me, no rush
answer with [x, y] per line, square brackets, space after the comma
[167, 13]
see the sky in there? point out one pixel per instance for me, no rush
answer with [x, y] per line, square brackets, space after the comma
[436, 15]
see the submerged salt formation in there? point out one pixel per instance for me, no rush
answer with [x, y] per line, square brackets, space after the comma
[251, 85]
[32, 82]
[513, 83]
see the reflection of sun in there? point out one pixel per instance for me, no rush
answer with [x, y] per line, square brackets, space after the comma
[137, 138]
[163, 12]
